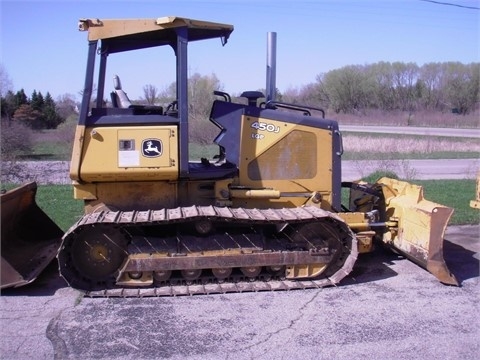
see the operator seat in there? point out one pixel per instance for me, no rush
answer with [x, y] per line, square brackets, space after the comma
[119, 97]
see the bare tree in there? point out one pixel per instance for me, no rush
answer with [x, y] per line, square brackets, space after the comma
[200, 99]
[15, 140]
[5, 81]
[200, 89]
[461, 86]
[405, 76]
[150, 92]
[430, 75]
[66, 105]
[348, 88]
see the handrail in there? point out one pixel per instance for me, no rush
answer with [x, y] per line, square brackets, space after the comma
[305, 109]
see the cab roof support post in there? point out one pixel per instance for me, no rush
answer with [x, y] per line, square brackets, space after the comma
[182, 97]
[87, 89]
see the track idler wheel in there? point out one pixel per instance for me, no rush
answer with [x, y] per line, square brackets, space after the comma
[323, 237]
[91, 258]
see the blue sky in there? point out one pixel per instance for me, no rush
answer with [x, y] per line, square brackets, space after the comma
[42, 49]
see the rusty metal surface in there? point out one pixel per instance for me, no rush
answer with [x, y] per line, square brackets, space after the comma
[147, 262]
[29, 238]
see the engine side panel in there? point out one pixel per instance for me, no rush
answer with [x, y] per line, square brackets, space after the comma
[284, 156]
[287, 152]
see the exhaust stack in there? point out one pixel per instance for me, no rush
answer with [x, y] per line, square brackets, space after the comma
[271, 66]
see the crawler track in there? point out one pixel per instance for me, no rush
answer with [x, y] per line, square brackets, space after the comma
[103, 249]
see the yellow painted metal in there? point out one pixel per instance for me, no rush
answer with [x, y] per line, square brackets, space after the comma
[134, 195]
[84, 191]
[255, 194]
[476, 203]
[109, 28]
[361, 227]
[355, 220]
[285, 157]
[305, 271]
[117, 154]
[77, 153]
[421, 226]
[365, 241]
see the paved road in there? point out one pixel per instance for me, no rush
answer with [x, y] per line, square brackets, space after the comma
[388, 308]
[411, 130]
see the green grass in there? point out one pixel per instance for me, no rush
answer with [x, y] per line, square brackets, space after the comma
[58, 203]
[52, 150]
[455, 194]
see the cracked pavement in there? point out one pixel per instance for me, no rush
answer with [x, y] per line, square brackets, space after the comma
[387, 308]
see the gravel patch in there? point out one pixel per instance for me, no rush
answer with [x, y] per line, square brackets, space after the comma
[43, 172]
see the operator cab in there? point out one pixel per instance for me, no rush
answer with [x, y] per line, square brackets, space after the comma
[109, 37]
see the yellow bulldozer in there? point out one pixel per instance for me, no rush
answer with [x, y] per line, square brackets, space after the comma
[265, 213]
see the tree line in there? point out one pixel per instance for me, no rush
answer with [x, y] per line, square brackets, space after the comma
[443, 87]
[36, 112]
[448, 86]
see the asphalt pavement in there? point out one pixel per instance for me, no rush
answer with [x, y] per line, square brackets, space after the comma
[387, 308]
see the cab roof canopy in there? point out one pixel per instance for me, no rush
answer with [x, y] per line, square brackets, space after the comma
[131, 34]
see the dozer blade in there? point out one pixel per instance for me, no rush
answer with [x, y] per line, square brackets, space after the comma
[421, 227]
[30, 239]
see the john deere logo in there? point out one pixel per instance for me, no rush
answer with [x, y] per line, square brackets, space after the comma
[151, 148]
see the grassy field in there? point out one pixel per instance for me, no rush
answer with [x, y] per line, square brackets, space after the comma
[455, 194]
[405, 118]
[49, 150]
[57, 201]
[363, 146]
